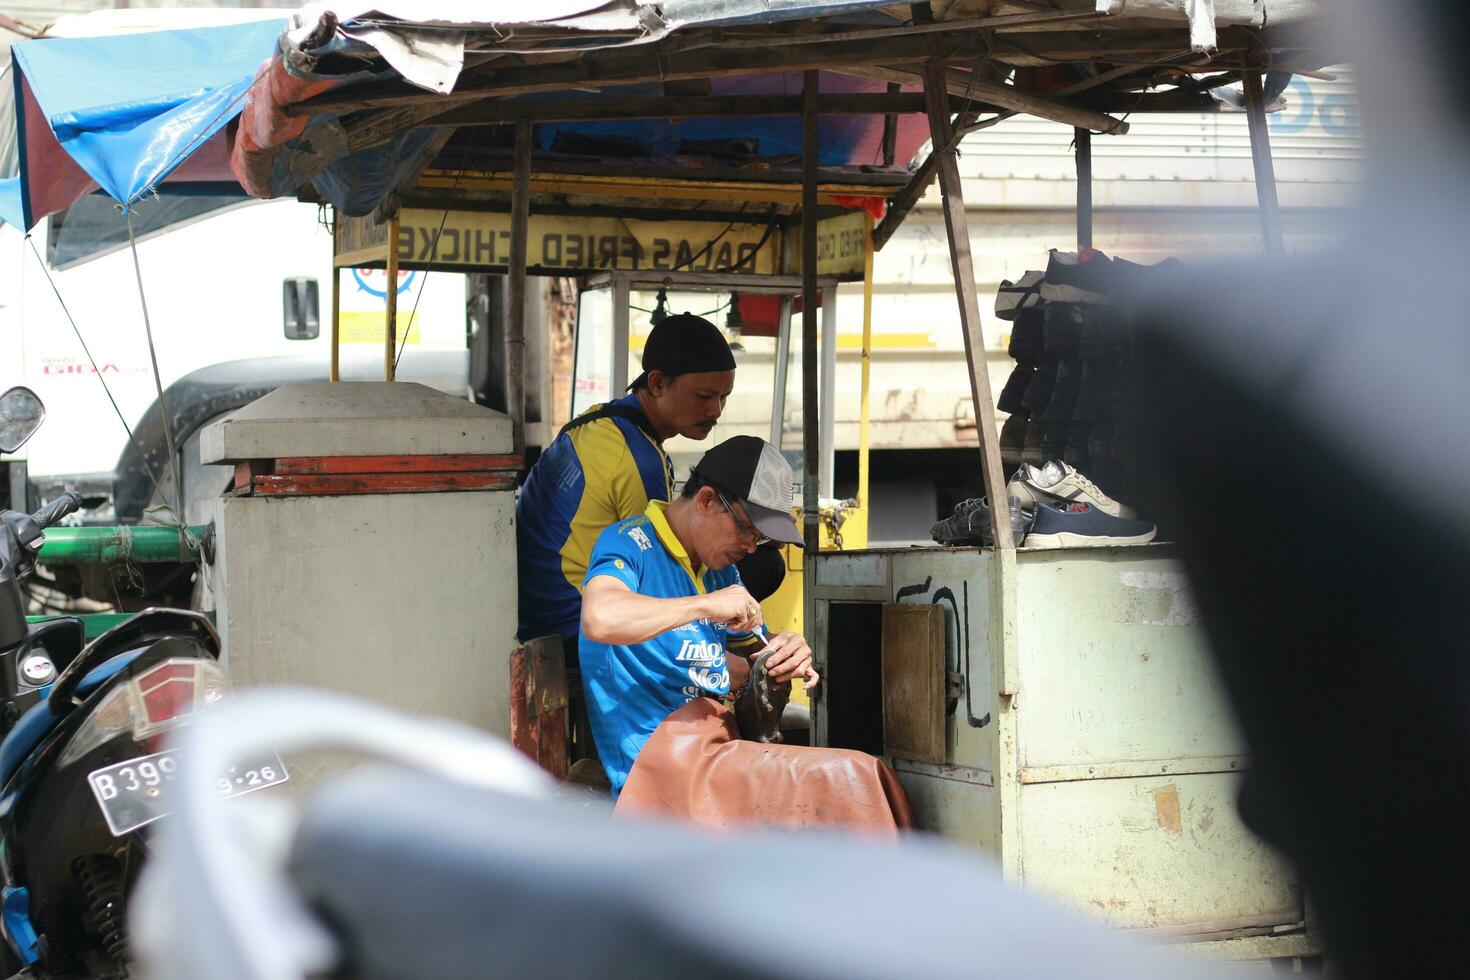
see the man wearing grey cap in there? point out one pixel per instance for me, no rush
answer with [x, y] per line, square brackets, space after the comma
[662, 598]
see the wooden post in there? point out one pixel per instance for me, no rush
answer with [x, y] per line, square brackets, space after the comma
[1084, 188]
[1265, 170]
[390, 293]
[890, 130]
[956, 224]
[811, 512]
[515, 327]
[336, 374]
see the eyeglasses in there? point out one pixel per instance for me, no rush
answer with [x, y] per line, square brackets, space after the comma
[745, 529]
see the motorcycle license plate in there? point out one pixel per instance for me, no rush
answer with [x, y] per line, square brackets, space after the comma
[137, 792]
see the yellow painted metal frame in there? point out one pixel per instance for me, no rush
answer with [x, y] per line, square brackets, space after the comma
[389, 254]
[390, 295]
[336, 374]
[864, 415]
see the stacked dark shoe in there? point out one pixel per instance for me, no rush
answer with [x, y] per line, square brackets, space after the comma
[1016, 398]
[1071, 396]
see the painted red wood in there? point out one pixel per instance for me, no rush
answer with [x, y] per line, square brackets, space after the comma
[278, 485]
[314, 465]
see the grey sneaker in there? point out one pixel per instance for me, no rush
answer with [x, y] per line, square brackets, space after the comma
[969, 524]
[1059, 483]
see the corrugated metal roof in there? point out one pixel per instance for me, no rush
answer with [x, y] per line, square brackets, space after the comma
[1315, 139]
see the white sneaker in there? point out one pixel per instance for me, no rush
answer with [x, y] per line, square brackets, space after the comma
[1013, 297]
[1058, 482]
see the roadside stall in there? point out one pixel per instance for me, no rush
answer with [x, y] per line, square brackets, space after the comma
[1056, 708]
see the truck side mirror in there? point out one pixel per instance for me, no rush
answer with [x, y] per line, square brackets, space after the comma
[301, 309]
[21, 413]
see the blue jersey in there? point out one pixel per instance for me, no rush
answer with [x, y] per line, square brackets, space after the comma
[631, 689]
[589, 477]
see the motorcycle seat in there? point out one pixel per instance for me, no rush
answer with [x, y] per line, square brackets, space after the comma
[37, 723]
[435, 880]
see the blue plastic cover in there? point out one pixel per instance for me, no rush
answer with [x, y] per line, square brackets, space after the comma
[15, 915]
[128, 109]
[10, 212]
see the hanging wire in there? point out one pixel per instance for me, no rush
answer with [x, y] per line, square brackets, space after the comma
[168, 434]
[711, 243]
[147, 470]
[750, 256]
[433, 252]
[705, 313]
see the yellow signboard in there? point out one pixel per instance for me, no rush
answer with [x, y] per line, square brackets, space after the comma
[476, 239]
[481, 240]
[840, 243]
[358, 241]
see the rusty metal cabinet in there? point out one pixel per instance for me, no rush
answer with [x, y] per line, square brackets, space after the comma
[1088, 744]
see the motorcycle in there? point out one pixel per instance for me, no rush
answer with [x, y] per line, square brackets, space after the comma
[83, 769]
[447, 855]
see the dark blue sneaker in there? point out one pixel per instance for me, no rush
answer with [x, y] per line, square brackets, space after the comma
[1083, 526]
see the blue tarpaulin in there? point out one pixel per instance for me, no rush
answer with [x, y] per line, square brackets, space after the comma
[124, 112]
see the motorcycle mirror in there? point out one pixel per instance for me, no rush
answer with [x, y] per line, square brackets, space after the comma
[21, 413]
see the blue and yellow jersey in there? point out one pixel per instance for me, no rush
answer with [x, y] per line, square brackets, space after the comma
[590, 477]
[631, 689]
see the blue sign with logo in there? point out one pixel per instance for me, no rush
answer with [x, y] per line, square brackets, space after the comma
[405, 280]
[1334, 112]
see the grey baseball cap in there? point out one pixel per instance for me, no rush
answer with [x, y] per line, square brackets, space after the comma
[753, 471]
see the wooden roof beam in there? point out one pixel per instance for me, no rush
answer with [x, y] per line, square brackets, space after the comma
[497, 112]
[592, 72]
[1003, 22]
[966, 85]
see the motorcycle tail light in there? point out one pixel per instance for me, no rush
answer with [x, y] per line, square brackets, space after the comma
[160, 698]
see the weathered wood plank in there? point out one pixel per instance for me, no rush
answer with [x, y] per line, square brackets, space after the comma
[964, 282]
[965, 85]
[624, 68]
[311, 465]
[500, 112]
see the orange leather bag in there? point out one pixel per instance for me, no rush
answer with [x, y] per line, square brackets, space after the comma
[695, 767]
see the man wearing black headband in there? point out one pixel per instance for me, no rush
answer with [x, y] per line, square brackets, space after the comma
[608, 463]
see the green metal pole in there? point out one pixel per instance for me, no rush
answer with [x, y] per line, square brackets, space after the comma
[112, 545]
